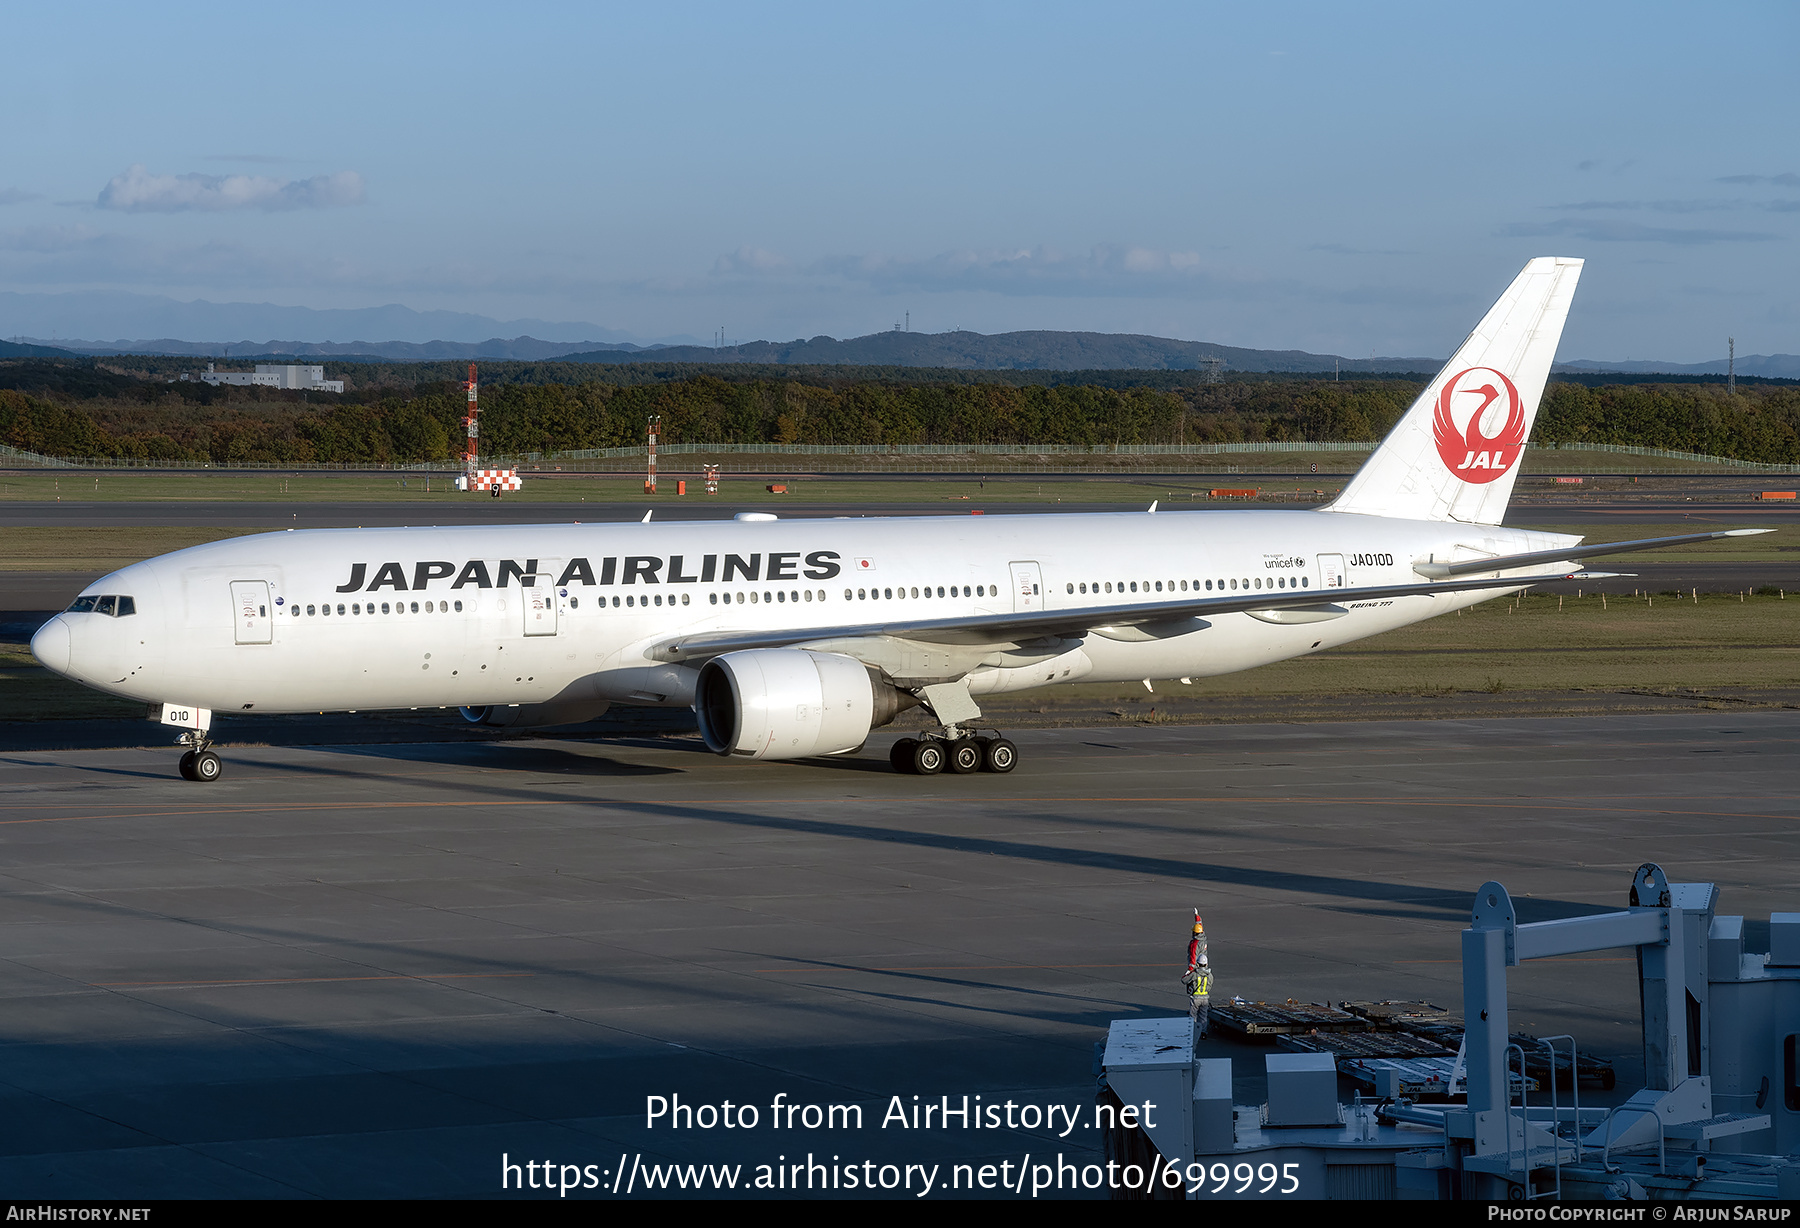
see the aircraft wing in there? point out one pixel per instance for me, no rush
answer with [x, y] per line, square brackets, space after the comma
[1570, 554]
[1173, 617]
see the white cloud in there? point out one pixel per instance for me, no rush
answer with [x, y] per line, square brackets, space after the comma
[138, 191]
[752, 261]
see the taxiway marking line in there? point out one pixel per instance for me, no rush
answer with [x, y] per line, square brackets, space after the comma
[1550, 960]
[302, 980]
[960, 967]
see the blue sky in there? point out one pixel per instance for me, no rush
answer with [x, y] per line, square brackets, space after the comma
[1347, 179]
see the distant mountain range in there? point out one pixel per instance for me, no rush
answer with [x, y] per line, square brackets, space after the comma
[1040, 350]
[1768, 366]
[522, 349]
[43, 318]
[1023, 351]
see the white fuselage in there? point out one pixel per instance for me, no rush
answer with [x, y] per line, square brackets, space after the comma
[501, 615]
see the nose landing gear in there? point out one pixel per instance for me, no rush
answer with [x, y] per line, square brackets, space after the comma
[202, 766]
[199, 764]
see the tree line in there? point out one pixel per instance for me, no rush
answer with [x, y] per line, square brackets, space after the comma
[99, 413]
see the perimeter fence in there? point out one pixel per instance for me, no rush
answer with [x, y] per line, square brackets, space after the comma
[925, 458]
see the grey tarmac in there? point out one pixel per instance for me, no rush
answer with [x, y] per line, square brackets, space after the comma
[371, 971]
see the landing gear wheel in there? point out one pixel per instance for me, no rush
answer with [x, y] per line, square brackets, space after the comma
[207, 767]
[900, 755]
[187, 766]
[965, 756]
[928, 757]
[999, 755]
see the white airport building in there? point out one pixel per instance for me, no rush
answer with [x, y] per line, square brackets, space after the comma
[270, 375]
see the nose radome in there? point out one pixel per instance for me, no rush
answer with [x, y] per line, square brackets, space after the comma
[51, 645]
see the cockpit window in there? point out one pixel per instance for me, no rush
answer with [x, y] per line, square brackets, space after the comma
[93, 603]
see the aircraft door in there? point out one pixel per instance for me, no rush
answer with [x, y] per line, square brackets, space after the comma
[1331, 571]
[540, 609]
[1028, 588]
[250, 605]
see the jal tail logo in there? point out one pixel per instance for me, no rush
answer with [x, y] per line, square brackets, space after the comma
[1472, 397]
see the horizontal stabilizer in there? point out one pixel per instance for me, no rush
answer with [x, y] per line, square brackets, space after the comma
[1508, 562]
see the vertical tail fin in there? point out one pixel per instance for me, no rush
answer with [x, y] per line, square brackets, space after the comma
[1456, 453]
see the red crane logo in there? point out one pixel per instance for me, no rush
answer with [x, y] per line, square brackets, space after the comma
[1472, 397]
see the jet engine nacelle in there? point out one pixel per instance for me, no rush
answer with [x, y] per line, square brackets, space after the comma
[788, 703]
[537, 716]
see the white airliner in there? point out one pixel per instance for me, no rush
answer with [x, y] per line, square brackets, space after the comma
[795, 638]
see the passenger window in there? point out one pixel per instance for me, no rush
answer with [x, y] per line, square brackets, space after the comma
[715, 598]
[459, 607]
[340, 608]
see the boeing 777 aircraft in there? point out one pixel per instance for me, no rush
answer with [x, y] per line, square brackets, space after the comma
[797, 638]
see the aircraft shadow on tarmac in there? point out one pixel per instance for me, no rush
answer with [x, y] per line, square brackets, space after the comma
[513, 764]
[577, 758]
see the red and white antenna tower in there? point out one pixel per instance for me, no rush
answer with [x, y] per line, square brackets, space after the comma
[469, 458]
[652, 426]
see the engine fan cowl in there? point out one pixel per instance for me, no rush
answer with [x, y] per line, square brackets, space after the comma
[788, 703]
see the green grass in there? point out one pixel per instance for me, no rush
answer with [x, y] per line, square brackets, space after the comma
[1007, 478]
[32, 692]
[99, 548]
[622, 488]
[1531, 644]
[1779, 546]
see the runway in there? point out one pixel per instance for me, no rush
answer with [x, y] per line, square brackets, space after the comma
[373, 971]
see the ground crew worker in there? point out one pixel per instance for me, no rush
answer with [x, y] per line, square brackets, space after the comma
[1198, 979]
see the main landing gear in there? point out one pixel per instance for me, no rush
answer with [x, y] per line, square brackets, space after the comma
[955, 751]
[199, 764]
